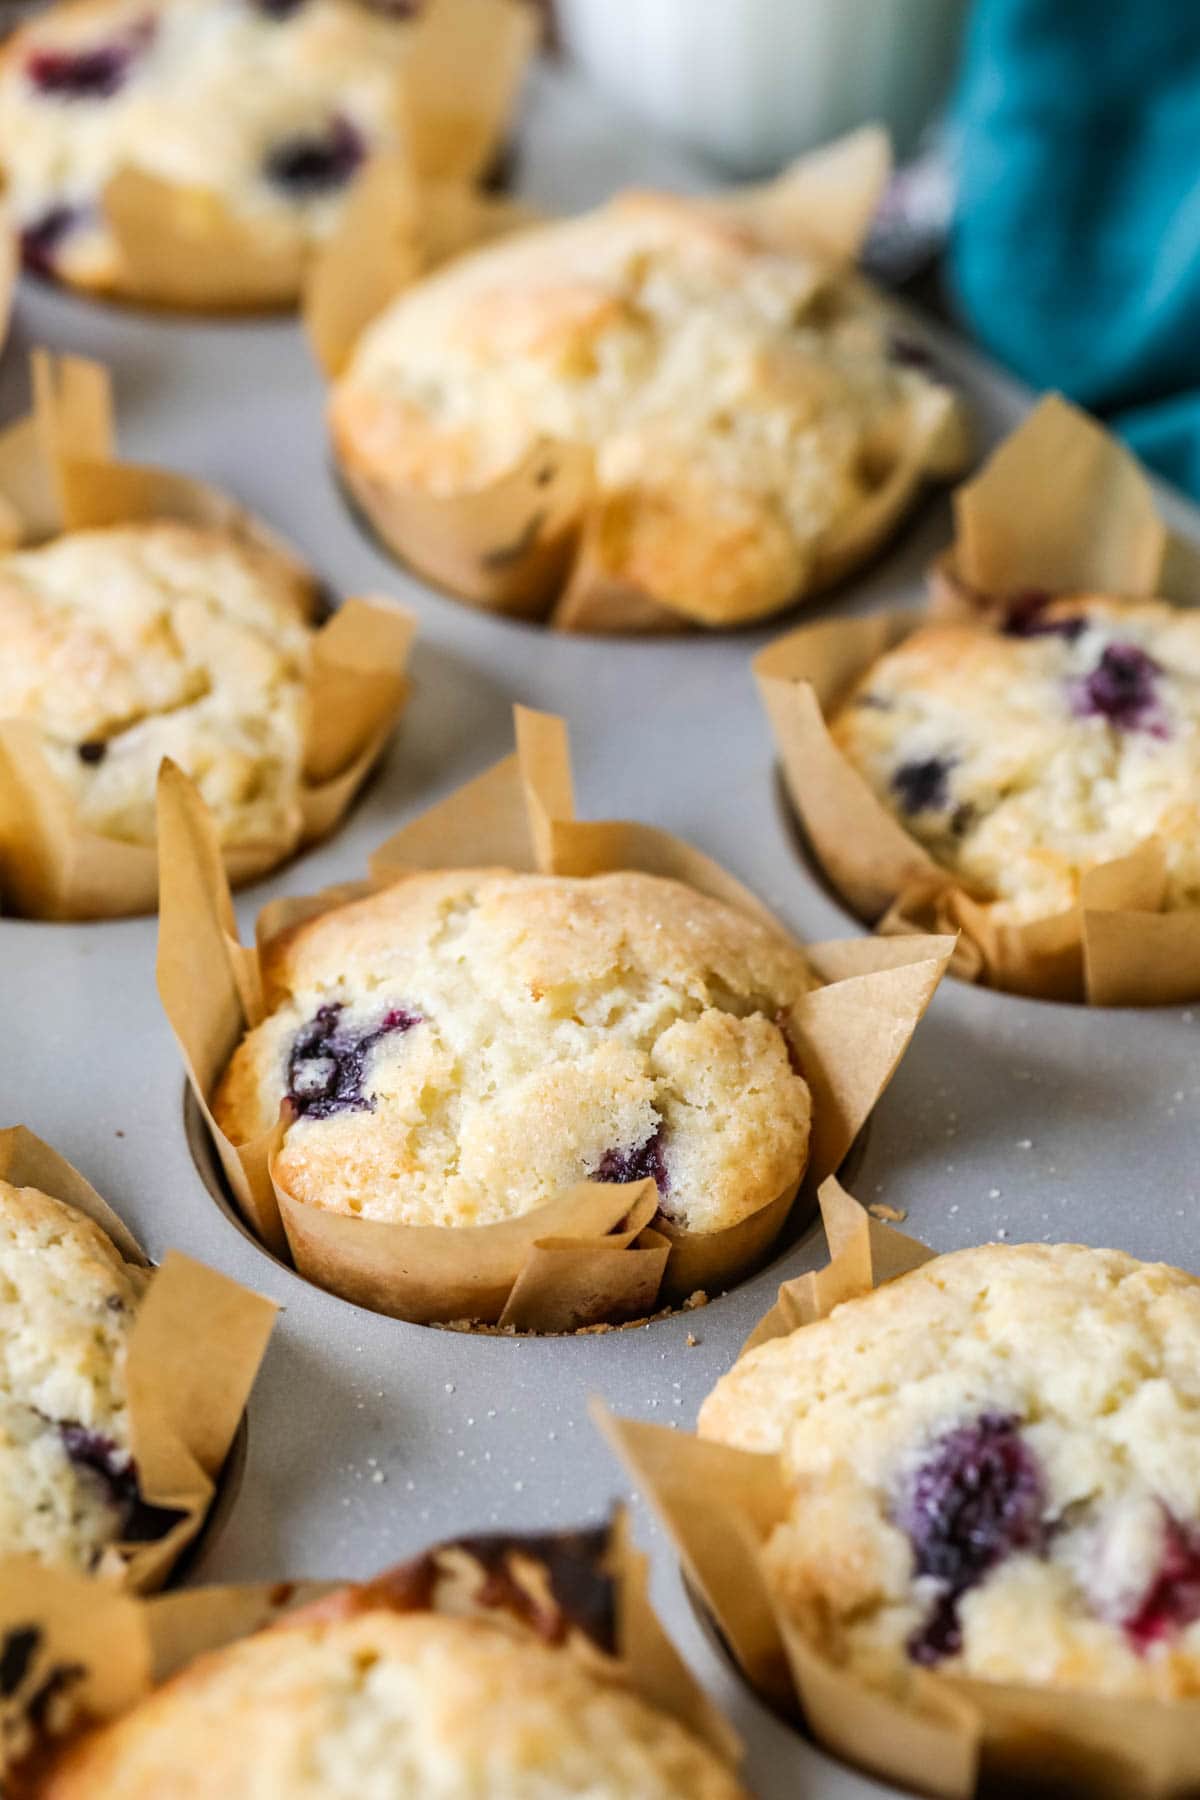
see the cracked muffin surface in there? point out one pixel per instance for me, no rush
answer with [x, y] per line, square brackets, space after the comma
[400, 1707]
[1020, 758]
[743, 406]
[67, 1478]
[461, 1046]
[270, 105]
[994, 1470]
[135, 642]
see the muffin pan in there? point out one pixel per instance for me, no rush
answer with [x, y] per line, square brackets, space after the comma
[369, 1438]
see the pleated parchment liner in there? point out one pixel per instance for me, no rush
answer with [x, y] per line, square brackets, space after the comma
[531, 543]
[599, 1253]
[59, 472]
[192, 1356]
[182, 246]
[100, 1653]
[956, 1738]
[1060, 509]
[413, 209]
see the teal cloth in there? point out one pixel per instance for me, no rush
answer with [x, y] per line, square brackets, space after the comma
[1075, 253]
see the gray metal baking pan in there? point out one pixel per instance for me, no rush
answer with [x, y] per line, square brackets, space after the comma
[369, 1437]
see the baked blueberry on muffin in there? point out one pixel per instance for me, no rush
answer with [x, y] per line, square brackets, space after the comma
[744, 407]
[378, 1692]
[68, 1485]
[1020, 758]
[994, 1469]
[460, 1047]
[270, 105]
[141, 641]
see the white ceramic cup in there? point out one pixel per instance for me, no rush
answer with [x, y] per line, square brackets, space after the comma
[754, 82]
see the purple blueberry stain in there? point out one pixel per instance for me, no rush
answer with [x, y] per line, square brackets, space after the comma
[315, 162]
[1123, 689]
[328, 1061]
[642, 1162]
[103, 1458]
[923, 785]
[42, 237]
[1025, 617]
[89, 1449]
[1173, 1599]
[978, 1497]
[940, 1636]
[95, 73]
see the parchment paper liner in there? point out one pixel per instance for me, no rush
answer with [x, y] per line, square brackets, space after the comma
[1115, 948]
[589, 1254]
[182, 246]
[585, 1592]
[1061, 507]
[193, 1353]
[58, 472]
[394, 228]
[531, 543]
[720, 1504]
[415, 208]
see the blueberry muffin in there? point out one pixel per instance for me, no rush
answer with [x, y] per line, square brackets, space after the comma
[743, 407]
[68, 1486]
[994, 1466]
[460, 1047]
[136, 642]
[1021, 758]
[398, 1705]
[271, 105]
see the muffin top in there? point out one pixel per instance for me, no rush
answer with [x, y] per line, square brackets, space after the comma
[141, 641]
[994, 1465]
[270, 104]
[742, 404]
[67, 1478]
[460, 1047]
[1021, 758]
[399, 1706]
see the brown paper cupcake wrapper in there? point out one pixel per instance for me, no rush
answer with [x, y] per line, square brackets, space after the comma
[1115, 948]
[532, 543]
[182, 246]
[394, 229]
[590, 1255]
[1061, 507]
[585, 1592]
[193, 1353]
[720, 1505]
[411, 210]
[58, 472]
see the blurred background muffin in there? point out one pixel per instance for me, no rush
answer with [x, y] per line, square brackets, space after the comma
[136, 642]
